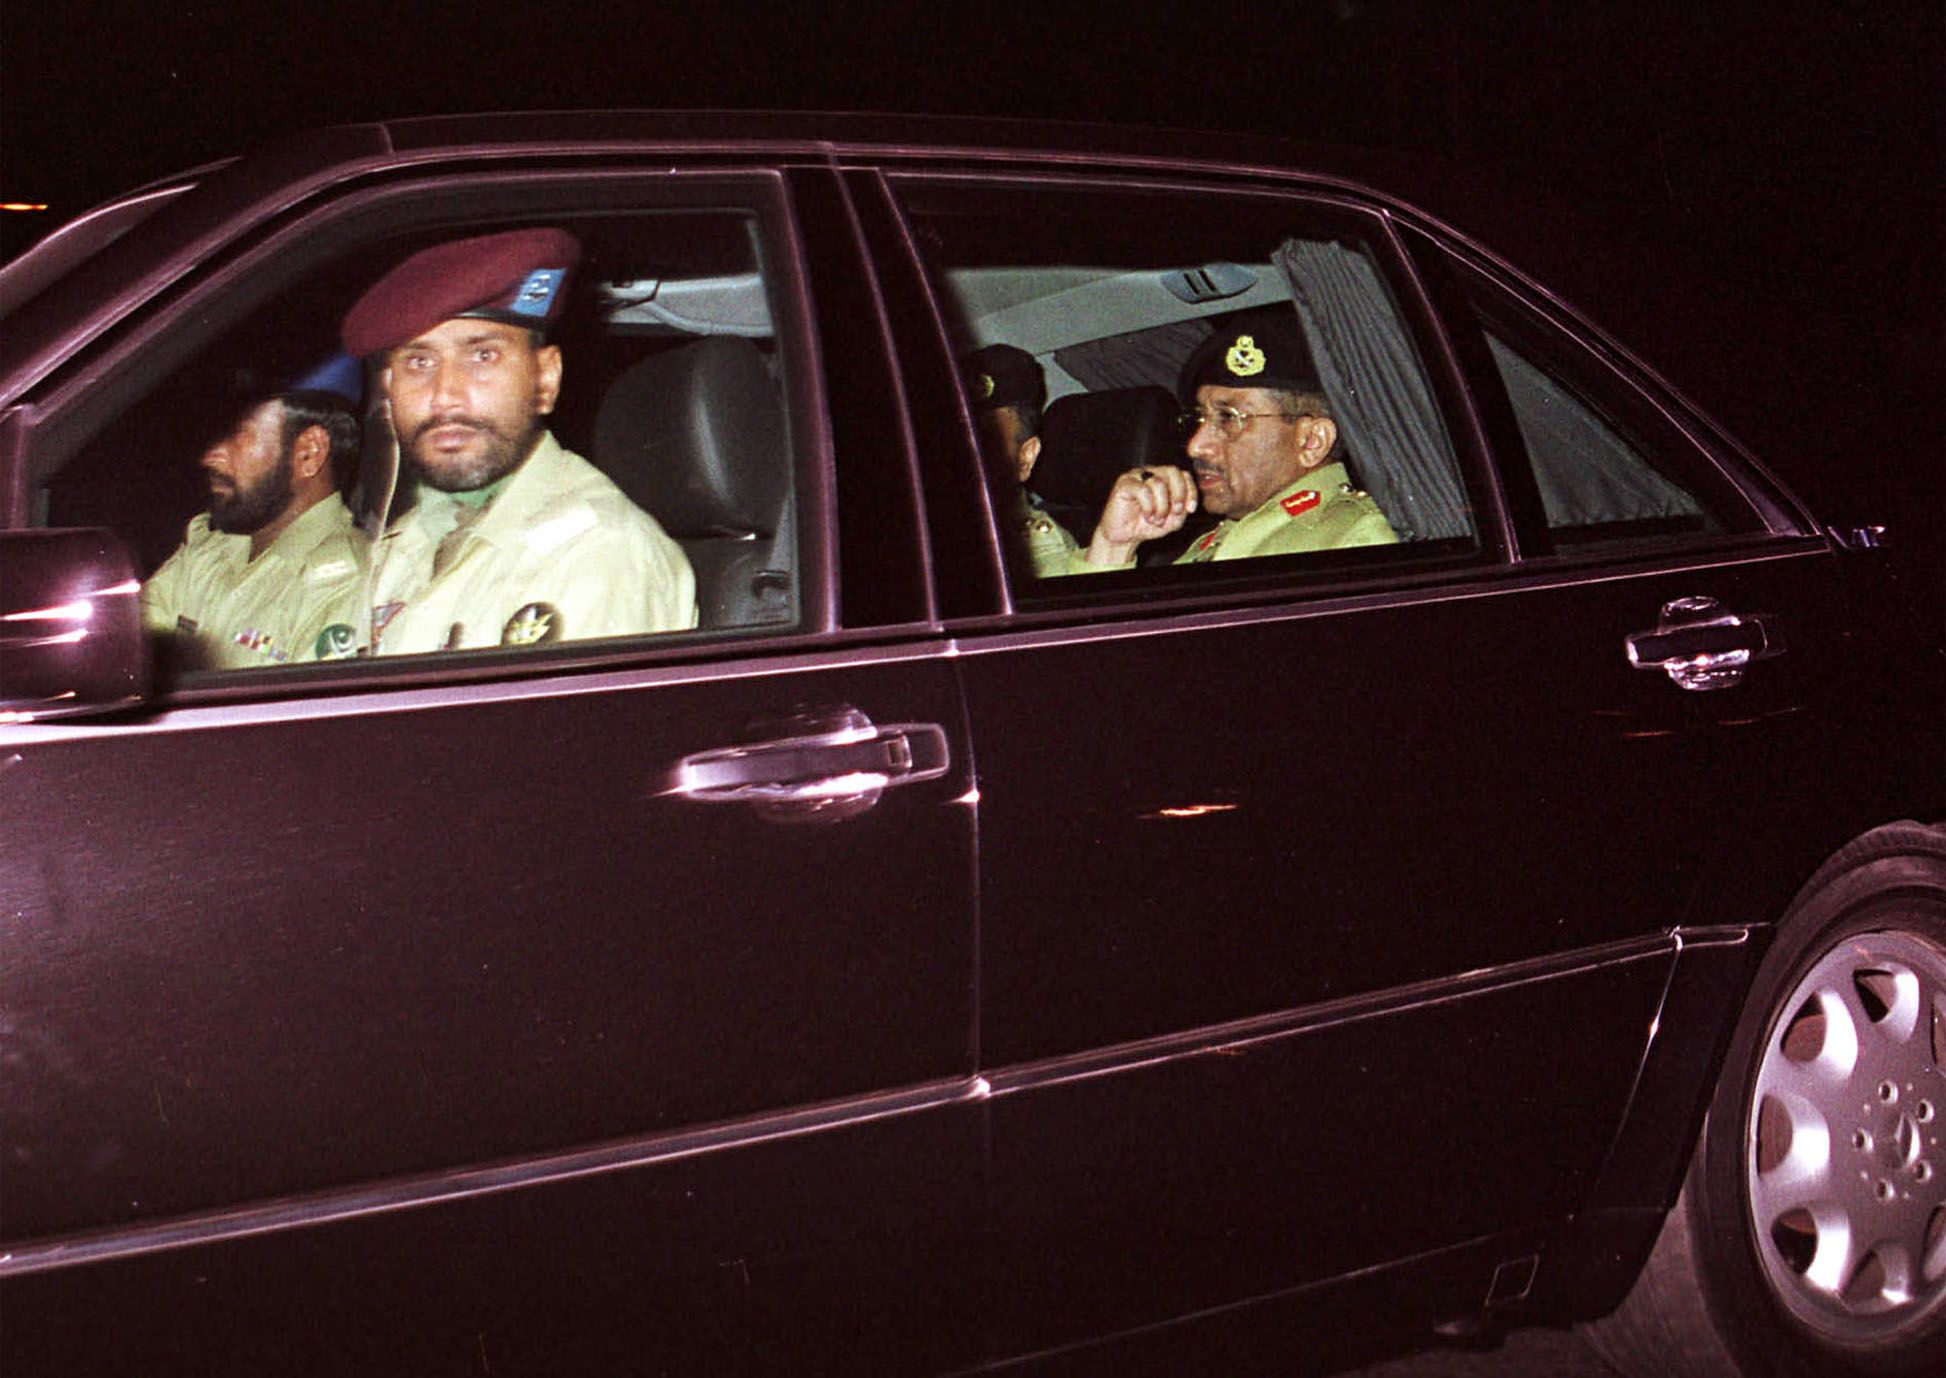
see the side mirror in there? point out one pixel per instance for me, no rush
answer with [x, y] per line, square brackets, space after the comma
[71, 638]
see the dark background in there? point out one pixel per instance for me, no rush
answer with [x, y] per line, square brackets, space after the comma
[1753, 195]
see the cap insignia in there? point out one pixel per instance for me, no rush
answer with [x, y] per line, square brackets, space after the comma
[986, 386]
[1245, 360]
[537, 292]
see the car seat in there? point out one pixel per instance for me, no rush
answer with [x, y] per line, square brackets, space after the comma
[1088, 439]
[695, 436]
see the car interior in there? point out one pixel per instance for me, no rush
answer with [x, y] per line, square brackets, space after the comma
[673, 387]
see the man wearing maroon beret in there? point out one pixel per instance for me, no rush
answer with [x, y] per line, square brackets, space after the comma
[511, 540]
[1264, 455]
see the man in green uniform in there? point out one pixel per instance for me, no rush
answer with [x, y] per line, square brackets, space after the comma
[274, 572]
[1009, 390]
[510, 540]
[1264, 456]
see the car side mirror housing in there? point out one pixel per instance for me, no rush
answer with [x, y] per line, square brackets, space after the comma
[71, 638]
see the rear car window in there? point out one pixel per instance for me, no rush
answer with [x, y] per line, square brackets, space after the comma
[1112, 291]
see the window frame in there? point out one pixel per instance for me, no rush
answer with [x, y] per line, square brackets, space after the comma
[126, 366]
[1315, 578]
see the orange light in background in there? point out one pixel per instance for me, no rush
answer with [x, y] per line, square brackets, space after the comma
[23, 205]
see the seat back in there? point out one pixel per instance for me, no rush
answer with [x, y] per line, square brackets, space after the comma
[696, 437]
[1089, 438]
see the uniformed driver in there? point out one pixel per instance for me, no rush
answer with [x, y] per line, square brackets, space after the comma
[274, 572]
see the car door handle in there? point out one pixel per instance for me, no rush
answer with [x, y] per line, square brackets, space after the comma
[1700, 645]
[845, 763]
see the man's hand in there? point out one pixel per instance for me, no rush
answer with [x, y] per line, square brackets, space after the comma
[1143, 504]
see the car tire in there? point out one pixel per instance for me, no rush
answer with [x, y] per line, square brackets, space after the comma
[1810, 1234]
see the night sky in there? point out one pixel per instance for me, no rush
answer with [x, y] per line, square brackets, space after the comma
[1760, 187]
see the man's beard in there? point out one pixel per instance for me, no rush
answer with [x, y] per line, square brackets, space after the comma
[242, 511]
[498, 457]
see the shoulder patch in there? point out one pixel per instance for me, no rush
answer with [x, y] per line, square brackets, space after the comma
[1303, 500]
[560, 528]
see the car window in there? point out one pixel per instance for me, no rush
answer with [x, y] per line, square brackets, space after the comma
[673, 400]
[1613, 470]
[1113, 293]
[1589, 476]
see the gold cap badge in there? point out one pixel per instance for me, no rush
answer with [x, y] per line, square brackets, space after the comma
[1245, 360]
[986, 386]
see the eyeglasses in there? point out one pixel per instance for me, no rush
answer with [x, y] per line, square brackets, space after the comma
[1229, 422]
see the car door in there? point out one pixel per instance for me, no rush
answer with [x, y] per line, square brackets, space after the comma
[1326, 902]
[601, 1005]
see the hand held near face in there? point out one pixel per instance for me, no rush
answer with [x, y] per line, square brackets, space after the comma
[1144, 504]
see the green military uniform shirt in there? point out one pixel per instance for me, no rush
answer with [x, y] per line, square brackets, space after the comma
[558, 553]
[297, 600]
[1049, 544]
[1320, 511]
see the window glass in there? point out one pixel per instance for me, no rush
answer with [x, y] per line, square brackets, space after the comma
[1594, 483]
[1130, 311]
[625, 469]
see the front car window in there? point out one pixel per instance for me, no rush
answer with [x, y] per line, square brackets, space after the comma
[669, 399]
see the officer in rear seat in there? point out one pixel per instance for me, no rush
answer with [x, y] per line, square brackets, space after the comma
[511, 540]
[1008, 391]
[1264, 455]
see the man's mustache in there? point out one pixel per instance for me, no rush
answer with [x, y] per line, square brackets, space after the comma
[472, 423]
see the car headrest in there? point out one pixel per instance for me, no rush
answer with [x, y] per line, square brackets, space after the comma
[1088, 438]
[695, 436]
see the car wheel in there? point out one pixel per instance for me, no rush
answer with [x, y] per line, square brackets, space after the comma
[1810, 1236]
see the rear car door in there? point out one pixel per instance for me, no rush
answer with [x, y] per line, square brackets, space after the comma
[602, 1004]
[1327, 901]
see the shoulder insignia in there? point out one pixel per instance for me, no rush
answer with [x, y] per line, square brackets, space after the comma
[1302, 501]
[1209, 538]
[532, 625]
[1245, 360]
[186, 625]
[330, 569]
[336, 642]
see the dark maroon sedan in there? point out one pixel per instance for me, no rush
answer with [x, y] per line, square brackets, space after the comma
[935, 961]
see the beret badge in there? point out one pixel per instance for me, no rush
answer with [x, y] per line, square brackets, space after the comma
[1245, 359]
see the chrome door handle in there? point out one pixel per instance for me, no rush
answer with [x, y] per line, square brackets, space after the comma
[1700, 645]
[837, 770]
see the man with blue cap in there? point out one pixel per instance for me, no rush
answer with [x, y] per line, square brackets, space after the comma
[509, 540]
[1264, 455]
[274, 572]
